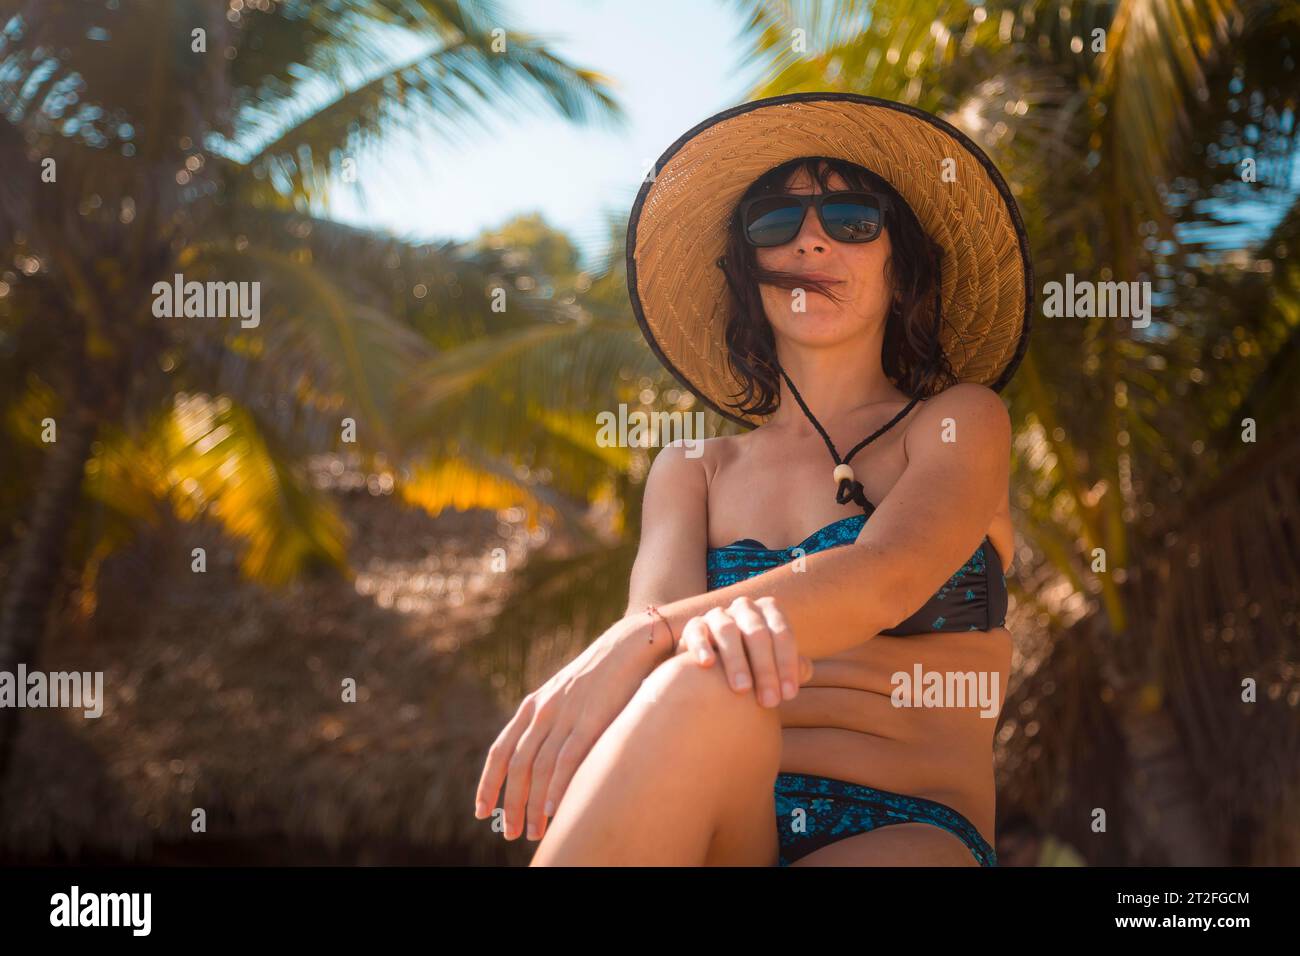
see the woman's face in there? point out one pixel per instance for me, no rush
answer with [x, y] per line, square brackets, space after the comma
[858, 267]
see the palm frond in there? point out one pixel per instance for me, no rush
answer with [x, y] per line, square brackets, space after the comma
[454, 372]
[337, 345]
[458, 483]
[897, 50]
[216, 462]
[207, 458]
[444, 88]
[1156, 57]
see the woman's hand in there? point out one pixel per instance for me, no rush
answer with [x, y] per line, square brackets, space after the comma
[557, 725]
[756, 647]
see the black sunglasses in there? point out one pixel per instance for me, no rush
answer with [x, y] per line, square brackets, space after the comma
[846, 216]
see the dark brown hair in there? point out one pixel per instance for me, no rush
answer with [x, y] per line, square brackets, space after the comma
[911, 355]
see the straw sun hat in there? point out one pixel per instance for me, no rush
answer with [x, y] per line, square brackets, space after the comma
[678, 229]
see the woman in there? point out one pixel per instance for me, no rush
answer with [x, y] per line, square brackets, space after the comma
[773, 685]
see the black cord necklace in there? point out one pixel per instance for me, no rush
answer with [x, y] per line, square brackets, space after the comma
[849, 488]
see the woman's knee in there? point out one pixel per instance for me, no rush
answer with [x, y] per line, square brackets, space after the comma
[703, 693]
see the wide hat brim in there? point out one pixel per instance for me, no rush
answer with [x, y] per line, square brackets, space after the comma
[678, 229]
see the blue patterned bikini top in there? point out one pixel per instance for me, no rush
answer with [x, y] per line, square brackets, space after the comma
[973, 599]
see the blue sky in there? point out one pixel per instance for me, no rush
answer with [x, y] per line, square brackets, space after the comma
[673, 63]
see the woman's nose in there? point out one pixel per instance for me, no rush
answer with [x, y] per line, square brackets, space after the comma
[811, 236]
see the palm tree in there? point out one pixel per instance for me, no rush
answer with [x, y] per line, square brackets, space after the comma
[153, 137]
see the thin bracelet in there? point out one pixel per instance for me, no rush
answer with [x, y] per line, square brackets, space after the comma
[655, 612]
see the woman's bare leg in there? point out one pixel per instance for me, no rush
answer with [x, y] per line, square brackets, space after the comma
[682, 777]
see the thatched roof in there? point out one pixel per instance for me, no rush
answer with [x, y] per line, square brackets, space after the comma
[222, 695]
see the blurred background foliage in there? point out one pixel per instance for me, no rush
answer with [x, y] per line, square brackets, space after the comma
[1158, 554]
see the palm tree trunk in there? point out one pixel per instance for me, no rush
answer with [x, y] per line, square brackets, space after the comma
[1163, 789]
[39, 563]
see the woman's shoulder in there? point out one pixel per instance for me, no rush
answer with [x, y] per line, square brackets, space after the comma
[967, 406]
[707, 456]
[689, 454]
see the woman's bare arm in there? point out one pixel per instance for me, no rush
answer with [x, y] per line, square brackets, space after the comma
[674, 531]
[539, 750]
[928, 526]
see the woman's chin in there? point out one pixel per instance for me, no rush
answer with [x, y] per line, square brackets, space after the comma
[816, 326]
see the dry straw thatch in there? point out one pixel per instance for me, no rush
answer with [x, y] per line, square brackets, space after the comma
[223, 695]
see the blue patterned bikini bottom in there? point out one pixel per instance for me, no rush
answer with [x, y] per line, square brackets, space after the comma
[834, 809]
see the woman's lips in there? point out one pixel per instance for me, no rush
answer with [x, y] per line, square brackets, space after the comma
[822, 278]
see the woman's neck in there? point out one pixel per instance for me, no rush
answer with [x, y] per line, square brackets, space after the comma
[832, 384]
